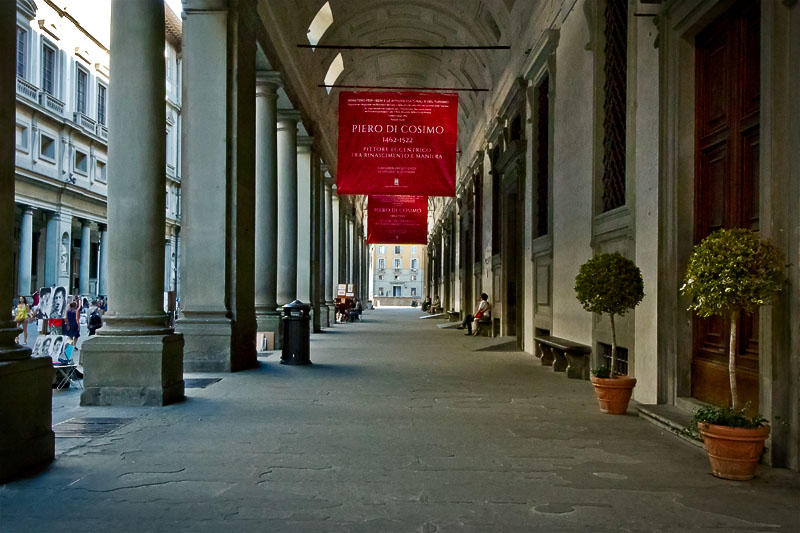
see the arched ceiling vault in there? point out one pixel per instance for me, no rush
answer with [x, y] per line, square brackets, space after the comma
[396, 23]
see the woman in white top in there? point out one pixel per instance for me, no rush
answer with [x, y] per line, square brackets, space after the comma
[484, 308]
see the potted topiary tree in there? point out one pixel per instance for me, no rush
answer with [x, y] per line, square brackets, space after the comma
[730, 271]
[610, 283]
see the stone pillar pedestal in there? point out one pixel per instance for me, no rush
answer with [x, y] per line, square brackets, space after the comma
[26, 435]
[133, 370]
[135, 359]
[27, 438]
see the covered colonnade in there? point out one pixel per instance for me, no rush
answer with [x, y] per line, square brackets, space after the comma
[584, 126]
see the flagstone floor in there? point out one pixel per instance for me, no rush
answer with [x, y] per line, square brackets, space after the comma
[397, 426]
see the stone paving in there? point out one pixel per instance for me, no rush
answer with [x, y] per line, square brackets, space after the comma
[398, 426]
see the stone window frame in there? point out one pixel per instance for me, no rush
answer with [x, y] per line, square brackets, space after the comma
[24, 52]
[25, 146]
[54, 143]
[85, 159]
[102, 177]
[614, 224]
[82, 106]
[55, 90]
[102, 119]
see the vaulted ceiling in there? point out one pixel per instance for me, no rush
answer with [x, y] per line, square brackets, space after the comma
[399, 23]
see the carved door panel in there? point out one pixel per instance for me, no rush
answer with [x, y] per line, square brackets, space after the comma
[726, 182]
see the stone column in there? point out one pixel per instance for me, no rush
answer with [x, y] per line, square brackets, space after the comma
[330, 282]
[267, 315]
[304, 218]
[218, 165]
[26, 438]
[348, 249]
[356, 257]
[102, 283]
[25, 253]
[336, 245]
[167, 263]
[136, 358]
[287, 206]
[86, 248]
[320, 316]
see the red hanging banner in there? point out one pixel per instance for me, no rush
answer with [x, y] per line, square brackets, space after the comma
[397, 219]
[397, 143]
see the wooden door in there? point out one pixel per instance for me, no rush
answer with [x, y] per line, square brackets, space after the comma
[726, 184]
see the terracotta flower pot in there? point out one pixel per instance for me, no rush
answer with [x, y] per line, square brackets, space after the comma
[613, 395]
[733, 452]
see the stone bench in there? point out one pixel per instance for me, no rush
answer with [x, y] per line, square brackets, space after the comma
[485, 326]
[454, 316]
[564, 355]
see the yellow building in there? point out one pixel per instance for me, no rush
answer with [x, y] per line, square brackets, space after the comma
[397, 274]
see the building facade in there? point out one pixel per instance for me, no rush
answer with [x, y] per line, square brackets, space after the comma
[397, 273]
[61, 159]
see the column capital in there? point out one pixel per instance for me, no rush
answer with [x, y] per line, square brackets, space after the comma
[267, 83]
[28, 210]
[304, 143]
[269, 77]
[289, 115]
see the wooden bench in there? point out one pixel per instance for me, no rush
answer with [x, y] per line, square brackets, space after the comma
[564, 355]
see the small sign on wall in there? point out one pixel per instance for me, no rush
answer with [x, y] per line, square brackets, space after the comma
[265, 341]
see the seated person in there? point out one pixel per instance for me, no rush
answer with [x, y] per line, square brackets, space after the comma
[435, 305]
[484, 309]
[426, 304]
[355, 310]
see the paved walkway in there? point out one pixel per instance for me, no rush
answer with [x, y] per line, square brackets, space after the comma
[398, 426]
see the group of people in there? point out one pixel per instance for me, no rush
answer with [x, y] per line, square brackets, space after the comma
[50, 304]
[432, 307]
[350, 314]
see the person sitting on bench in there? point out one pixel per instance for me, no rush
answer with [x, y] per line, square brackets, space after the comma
[483, 310]
[434, 308]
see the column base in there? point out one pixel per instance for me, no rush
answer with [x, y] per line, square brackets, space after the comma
[207, 342]
[132, 370]
[331, 314]
[270, 322]
[26, 440]
[316, 321]
[324, 316]
[211, 343]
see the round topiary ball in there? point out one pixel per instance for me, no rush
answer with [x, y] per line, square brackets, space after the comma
[732, 270]
[609, 283]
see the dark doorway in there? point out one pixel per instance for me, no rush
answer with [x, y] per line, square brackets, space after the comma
[726, 182]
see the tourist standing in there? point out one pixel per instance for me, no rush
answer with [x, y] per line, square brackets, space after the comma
[21, 317]
[72, 328]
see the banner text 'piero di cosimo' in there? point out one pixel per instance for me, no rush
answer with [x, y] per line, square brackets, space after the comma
[398, 219]
[397, 143]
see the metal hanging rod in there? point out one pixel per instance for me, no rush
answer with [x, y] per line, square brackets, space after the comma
[401, 47]
[396, 88]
